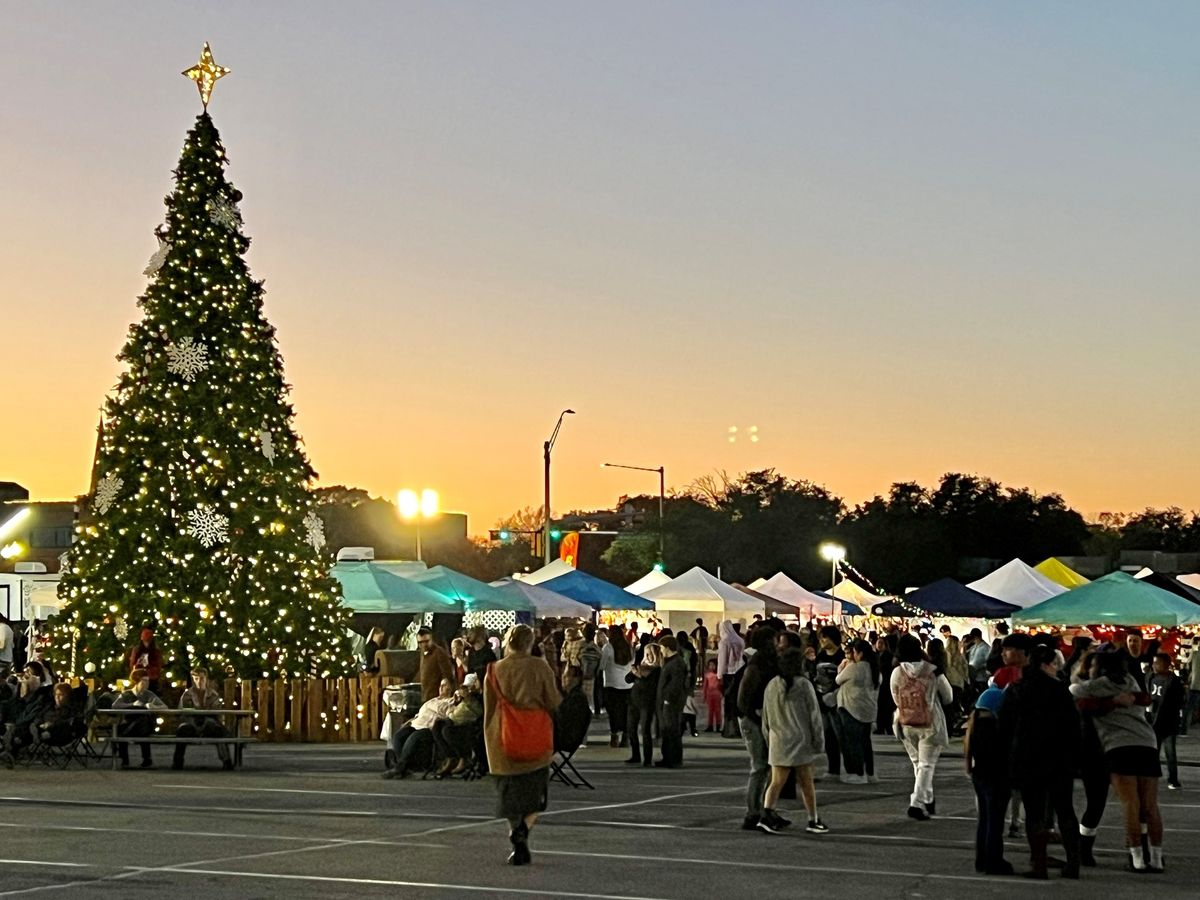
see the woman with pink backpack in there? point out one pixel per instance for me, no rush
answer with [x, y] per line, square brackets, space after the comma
[919, 692]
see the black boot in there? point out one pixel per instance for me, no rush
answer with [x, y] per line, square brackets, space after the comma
[1087, 843]
[1038, 857]
[519, 837]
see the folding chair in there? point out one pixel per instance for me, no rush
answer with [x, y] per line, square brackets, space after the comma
[571, 724]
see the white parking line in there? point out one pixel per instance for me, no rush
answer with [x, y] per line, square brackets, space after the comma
[427, 885]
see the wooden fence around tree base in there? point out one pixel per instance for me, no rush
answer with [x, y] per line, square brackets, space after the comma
[321, 710]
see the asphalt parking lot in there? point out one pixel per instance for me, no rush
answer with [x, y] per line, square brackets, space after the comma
[316, 821]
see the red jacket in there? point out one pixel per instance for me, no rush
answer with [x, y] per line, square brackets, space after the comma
[153, 664]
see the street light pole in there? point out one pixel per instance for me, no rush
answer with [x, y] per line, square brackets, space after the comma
[546, 448]
[834, 553]
[662, 494]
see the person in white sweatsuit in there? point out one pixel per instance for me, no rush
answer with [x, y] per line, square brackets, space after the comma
[923, 743]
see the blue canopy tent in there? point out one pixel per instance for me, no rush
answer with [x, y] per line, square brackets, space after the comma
[849, 608]
[595, 592]
[947, 597]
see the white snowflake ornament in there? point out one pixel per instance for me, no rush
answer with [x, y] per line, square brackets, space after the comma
[157, 259]
[267, 441]
[187, 358]
[315, 530]
[224, 213]
[121, 629]
[108, 489]
[208, 526]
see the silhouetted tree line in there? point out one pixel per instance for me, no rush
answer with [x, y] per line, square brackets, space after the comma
[759, 523]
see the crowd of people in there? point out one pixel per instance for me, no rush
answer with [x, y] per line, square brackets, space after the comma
[38, 709]
[808, 702]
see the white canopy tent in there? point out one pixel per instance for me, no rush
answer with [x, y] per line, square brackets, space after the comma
[756, 583]
[859, 596]
[696, 591]
[785, 590]
[546, 604]
[1192, 580]
[545, 573]
[652, 579]
[1018, 584]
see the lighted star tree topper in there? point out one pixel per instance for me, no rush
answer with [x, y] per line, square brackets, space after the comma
[200, 522]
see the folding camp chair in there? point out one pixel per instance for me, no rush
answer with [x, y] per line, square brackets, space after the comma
[571, 724]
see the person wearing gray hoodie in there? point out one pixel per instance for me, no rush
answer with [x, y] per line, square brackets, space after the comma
[1130, 748]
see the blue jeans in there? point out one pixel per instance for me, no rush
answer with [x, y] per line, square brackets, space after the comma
[992, 800]
[756, 785]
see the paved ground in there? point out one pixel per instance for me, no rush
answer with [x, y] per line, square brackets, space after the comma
[318, 822]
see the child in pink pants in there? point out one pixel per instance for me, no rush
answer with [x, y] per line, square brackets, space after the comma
[714, 697]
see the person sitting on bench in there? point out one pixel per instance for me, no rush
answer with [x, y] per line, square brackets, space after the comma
[201, 696]
[415, 737]
[23, 711]
[59, 724]
[139, 696]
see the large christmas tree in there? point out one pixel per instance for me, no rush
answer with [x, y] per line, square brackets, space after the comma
[200, 522]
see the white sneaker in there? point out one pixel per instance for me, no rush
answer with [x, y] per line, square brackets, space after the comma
[854, 779]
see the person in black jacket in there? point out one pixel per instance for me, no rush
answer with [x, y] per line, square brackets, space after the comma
[1166, 711]
[756, 675]
[479, 652]
[1040, 728]
[642, 699]
[674, 687]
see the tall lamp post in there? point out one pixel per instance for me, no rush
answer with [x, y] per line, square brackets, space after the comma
[834, 554]
[662, 491]
[546, 448]
[416, 508]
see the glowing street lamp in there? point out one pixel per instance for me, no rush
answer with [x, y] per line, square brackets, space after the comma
[11, 551]
[416, 507]
[834, 554]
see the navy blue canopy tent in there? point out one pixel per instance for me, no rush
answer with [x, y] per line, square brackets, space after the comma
[848, 608]
[595, 592]
[949, 598]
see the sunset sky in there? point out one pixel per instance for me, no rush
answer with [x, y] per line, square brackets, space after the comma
[898, 238]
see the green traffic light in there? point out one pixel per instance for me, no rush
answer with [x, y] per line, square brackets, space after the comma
[556, 534]
[504, 535]
[658, 567]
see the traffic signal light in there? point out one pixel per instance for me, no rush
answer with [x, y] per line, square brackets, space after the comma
[499, 535]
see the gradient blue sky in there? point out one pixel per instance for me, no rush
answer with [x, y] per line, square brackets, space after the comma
[899, 238]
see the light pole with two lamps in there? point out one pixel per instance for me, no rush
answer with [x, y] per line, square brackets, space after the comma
[834, 554]
[416, 508]
[546, 448]
[662, 491]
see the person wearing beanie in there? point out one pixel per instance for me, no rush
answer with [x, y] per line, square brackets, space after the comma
[984, 757]
[146, 655]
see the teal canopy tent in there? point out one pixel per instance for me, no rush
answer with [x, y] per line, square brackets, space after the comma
[474, 596]
[1116, 599]
[377, 597]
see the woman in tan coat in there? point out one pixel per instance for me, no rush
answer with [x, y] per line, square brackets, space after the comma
[526, 683]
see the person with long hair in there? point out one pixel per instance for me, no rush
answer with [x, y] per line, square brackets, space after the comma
[616, 662]
[919, 691]
[1040, 730]
[957, 675]
[885, 649]
[1130, 747]
[857, 706]
[1093, 770]
[795, 734]
[517, 685]
[761, 669]
[644, 680]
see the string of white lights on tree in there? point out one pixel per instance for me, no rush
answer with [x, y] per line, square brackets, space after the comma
[202, 525]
